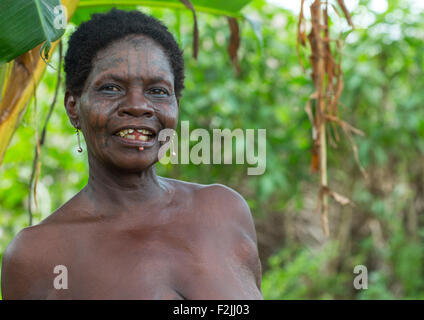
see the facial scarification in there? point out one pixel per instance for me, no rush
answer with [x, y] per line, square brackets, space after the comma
[130, 86]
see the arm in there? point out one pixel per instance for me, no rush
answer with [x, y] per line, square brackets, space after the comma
[245, 244]
[233, 213]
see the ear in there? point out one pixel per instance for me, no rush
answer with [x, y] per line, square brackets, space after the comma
[72, 109]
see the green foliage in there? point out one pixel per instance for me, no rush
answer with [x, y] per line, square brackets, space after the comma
[219, 7]
[383, 97]
[300, 273]
[25, 24]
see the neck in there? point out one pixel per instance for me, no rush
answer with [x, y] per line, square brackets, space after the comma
[111, 187]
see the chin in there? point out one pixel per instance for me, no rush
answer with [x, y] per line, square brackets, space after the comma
[135, 162]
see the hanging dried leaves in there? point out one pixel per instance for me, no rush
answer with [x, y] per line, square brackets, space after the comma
[189, 6]
[327, 78]
[234, 43]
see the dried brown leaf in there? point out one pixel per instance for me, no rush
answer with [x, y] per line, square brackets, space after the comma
[190, 6]
[301, 34]
[346, 12]
[328, 82]
[339, 198]
[234, 43]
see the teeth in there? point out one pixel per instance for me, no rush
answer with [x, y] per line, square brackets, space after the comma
[126, 133]
[143, 138]
[144, 131]
[123, 132]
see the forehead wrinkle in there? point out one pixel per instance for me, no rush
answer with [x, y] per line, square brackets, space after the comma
[113, 58]
[126, 73]
[109, 64]
[104, 66]
[146, 50]
[156, 70]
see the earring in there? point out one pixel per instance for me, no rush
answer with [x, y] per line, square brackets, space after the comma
[79, 141]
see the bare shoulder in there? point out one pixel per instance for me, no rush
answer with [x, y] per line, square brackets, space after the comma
[228, 215]
[230, 209]
[27, 259]
[229, 206]
[218, 202]
[24, 261]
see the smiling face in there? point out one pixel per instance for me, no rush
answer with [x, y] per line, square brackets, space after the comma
[127, 99]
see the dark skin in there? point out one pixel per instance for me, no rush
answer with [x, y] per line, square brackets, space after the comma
[130, 234]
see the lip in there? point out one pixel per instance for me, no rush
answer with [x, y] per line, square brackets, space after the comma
[135, 143]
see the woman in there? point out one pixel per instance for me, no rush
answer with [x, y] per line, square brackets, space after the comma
[130, 234]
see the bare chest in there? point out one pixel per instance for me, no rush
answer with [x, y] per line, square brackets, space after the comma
[153, 263]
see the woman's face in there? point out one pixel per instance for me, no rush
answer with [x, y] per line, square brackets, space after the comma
[127, 99]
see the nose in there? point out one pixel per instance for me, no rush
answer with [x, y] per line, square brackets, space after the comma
[136, 105]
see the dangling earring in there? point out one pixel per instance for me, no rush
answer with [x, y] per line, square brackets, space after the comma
[172, 146]
[79, 141]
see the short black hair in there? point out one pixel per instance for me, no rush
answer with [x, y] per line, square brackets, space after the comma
[104, 28]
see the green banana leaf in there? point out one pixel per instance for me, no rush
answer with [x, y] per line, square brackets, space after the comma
[24, 24]
[219, 7]
[17, 38]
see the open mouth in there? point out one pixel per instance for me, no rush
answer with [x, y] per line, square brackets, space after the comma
[135, 135]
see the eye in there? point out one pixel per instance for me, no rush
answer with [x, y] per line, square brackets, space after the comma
[159, 91]
[110, 88]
